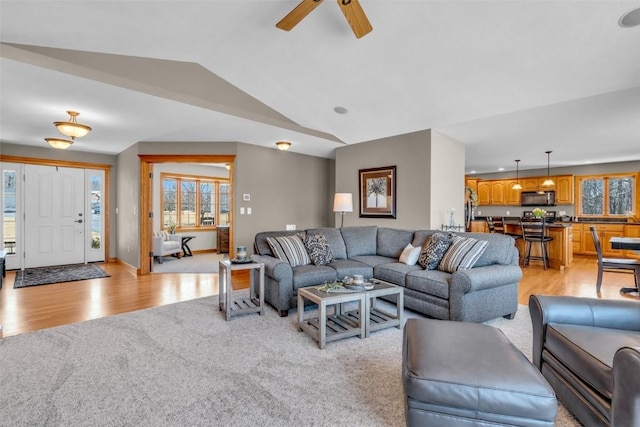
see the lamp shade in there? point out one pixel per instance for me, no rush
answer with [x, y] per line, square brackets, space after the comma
[59, 143]
[343, 202]
[71, 127]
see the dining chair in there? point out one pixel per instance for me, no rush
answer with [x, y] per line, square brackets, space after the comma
[492, 228]
[613, 265]
[534, 231]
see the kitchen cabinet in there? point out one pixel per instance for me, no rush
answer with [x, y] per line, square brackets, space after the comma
[471, 183]
[512, 197]
[478, 226]
[605, 232]
[484, 193]
[564, 189]
[530, 184]
[632, 231]
[577, 238]
[492, 192]
[559, 250]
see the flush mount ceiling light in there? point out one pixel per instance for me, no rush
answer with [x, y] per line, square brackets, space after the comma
[71, 127]
[548, 182]
[630, 19]
[341, 110]
[59, 143]
[517, 185]
[283, 145]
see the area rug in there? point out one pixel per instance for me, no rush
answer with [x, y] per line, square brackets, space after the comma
[183, 364]
[198, 263]
[57, 274]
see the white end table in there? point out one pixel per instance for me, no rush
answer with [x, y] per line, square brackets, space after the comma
[253, 304]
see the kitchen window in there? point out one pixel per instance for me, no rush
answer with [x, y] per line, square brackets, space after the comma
[607, 195]
[194, 202]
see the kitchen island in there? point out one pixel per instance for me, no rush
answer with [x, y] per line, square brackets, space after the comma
[559, 250]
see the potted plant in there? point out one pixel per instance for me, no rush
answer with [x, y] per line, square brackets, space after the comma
[539, 213]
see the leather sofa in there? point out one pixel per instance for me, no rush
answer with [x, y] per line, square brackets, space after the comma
[486, 291]
[589, 351]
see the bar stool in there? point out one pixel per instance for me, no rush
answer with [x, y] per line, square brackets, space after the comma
[534, 231]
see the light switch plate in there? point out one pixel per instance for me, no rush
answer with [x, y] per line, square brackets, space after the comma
[241, 211]
[248, 211]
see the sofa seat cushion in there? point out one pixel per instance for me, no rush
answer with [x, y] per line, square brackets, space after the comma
[312, 275]
[170, 245]
[349, 267]
[394, 272]
[374, 260]
[431, 282]
[360, 240]
[589, 351]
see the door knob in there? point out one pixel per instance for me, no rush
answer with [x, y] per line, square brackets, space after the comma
[78, 221]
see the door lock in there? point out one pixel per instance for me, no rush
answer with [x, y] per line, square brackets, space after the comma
[78, 221]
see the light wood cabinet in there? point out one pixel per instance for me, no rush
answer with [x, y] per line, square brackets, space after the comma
[577, 238]
[471, 183]
[632, 231]
[478, 226]
[605, 232]
[492, 192]
[484, 193]
[564, 189]
[530, 184]
[512, 197]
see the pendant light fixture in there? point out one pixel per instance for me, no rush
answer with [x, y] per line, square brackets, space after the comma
[283, 145]
[72, 128]
[548, 182]
[517, 185]
[59, 143]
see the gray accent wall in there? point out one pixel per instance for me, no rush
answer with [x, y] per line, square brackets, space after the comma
[430, 173]
[284, 188]
[128, 207]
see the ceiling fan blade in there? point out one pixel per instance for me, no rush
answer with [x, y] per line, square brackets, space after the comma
[297, 14]
[355, 17]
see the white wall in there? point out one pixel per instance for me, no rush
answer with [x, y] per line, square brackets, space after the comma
[447, 179]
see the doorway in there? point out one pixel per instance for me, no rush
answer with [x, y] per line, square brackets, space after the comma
[146, 198]
[54, 212]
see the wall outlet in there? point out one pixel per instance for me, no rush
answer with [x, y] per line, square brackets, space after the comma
[290, 227]
[479, 213]
[508, 213]
[562, 213]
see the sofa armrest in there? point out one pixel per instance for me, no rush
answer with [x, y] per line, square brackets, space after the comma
[274, 267]
[490, 276]
[157, 246]
[176, 238]
[626, 382]
[613, 314]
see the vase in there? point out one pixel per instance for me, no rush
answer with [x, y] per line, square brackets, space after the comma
[452, 221]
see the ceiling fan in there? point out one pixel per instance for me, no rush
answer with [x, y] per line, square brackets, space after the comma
[352, 12]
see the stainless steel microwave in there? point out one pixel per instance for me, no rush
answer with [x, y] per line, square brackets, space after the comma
[535, 198]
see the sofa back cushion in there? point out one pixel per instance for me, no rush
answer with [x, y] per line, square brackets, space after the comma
[421, 236]
[260, 245]
[500, 248]
[391, 241]
[334, 238]
[162, 234]
[360, 240]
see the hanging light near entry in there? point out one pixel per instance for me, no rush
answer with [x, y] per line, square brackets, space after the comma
[517, 185]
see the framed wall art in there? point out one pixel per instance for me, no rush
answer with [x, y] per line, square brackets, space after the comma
[378, 192]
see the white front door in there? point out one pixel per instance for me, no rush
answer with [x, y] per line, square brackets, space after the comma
[54, 215]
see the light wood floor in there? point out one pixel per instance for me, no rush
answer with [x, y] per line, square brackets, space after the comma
[38, 307]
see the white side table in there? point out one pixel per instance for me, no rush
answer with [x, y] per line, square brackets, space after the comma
[253, 304]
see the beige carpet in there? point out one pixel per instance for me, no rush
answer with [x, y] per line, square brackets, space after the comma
[183, 364]
[198, 263]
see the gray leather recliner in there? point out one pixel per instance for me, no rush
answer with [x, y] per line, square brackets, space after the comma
[589, 351]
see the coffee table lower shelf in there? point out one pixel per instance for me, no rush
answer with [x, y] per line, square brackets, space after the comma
[338, 326]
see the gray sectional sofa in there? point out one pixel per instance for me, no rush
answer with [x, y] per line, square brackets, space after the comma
[486, 291]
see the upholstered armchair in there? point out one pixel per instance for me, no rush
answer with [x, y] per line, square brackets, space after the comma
[589, 351]
[166, 244]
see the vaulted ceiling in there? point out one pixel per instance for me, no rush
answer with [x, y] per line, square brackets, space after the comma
[510, 79]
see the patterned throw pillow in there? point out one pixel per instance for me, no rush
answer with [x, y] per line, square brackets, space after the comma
[462, 254]
[289, 249]
[433, 250]
[318, 249]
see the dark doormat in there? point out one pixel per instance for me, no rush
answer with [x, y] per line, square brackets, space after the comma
[57, 274]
